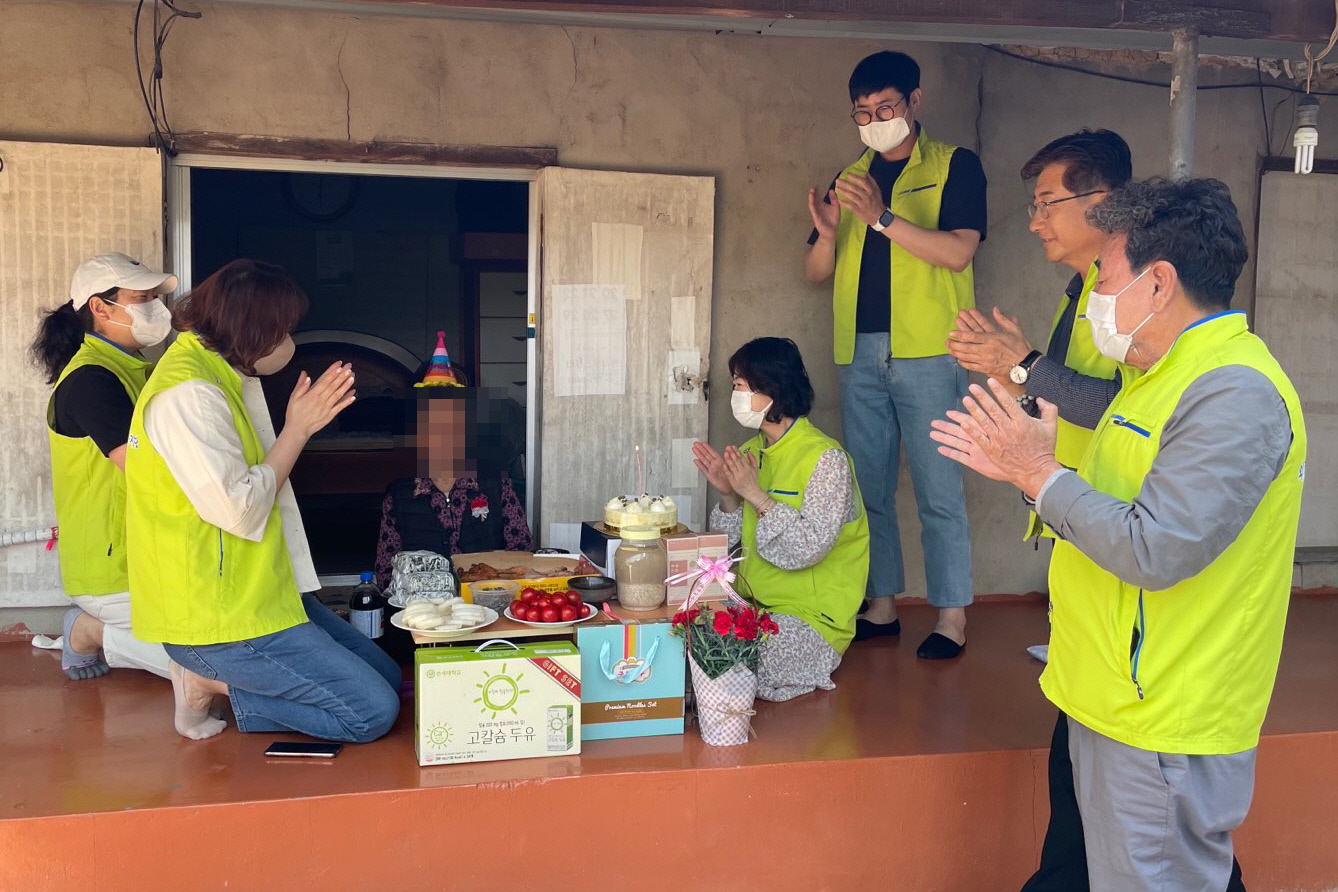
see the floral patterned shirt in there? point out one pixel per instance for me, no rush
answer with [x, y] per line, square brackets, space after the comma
[793, 539]
[450, 510]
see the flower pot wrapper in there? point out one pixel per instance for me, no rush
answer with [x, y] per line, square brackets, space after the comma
[724, 704]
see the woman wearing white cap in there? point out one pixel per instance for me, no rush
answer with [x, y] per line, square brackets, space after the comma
[89, 348]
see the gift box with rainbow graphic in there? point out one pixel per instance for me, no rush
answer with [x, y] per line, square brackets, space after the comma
[632, 680]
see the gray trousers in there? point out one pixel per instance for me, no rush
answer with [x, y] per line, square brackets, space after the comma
[1159, 822]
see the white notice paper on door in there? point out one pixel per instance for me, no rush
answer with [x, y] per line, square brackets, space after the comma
[615, 250]
[589, 331]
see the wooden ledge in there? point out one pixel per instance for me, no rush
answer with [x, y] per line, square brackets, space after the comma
[306, 149]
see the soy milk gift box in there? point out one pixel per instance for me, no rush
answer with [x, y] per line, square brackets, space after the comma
[496, 701]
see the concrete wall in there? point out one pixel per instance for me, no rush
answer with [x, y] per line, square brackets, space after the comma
[765, 116]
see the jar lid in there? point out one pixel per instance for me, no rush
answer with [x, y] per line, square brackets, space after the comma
[637, 534]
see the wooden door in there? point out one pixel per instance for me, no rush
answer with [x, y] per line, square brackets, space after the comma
[624, 317]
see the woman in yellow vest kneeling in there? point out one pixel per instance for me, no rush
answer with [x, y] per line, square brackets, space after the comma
[789, 495]
[220, 569]
[89, 348]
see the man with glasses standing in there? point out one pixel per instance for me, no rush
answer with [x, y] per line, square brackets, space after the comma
[1069, 175]
[897, 232]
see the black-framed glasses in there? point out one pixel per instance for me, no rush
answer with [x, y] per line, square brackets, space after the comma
[1042, 208]
[881, 113]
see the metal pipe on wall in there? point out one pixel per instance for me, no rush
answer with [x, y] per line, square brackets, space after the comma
[1184, 90]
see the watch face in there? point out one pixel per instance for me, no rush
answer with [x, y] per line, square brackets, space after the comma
[1017, 374]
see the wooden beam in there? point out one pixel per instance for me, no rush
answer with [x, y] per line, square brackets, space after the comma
[1212, 21]
[1309, 20]
[365, 152]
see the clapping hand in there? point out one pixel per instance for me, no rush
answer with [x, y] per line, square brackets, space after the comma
[825, 214]
[313, 405]
[991, 347]
[996, 438]
[741, 469]
[712, 466]
[861, 196]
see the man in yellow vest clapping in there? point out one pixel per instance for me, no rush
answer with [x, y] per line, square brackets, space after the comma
[1170, 581]
[897, 232]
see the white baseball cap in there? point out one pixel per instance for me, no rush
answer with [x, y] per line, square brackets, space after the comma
[107, 271]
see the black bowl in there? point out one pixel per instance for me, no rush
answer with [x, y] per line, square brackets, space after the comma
[593, 589]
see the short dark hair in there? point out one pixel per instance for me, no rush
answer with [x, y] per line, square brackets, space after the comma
[243, 311]
[773, 367]
[1191, 224]
[494, 424]
[1092, 159]
[876, 73]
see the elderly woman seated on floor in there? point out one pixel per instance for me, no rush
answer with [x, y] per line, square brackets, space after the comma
[462, 499]
[789, 495]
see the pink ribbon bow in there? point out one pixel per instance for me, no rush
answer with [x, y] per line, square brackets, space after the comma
[707, 572]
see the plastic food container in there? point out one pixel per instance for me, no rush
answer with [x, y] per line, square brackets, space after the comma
[494, 593]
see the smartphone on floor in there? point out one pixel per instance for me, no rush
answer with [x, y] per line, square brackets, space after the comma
[309, 750]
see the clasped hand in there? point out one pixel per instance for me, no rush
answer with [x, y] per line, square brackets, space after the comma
[996, 438]
[989, 347]
[733, 474]
[861, 195]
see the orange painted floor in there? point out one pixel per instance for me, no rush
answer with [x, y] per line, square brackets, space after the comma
[903, 755]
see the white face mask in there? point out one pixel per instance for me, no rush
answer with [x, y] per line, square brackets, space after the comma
[277, 358]
[741, 404]
[1101, 316]
[884, 136]
[150, 322]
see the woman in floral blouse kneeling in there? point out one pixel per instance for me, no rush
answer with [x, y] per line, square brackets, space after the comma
[789, 495]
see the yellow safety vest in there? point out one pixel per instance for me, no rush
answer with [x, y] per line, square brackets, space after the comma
[1082, 356]
[925, 299]
[88, 488]
[190, 582]
[826, 595]
[1199, 678]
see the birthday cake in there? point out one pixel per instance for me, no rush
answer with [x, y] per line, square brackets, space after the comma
[641, 511]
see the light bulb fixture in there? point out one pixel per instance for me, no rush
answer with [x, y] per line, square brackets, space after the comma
[1307, 133]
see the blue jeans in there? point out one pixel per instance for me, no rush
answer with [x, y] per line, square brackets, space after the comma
[323, 678]
[887, 403]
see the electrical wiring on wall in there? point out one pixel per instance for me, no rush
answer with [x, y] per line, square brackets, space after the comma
[152, 91]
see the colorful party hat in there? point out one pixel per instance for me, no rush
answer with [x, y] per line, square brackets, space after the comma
[440, 373]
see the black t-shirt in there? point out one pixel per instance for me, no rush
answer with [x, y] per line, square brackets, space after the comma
[962, 207]
[92, 402]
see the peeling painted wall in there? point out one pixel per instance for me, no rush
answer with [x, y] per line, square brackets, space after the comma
[765, 116]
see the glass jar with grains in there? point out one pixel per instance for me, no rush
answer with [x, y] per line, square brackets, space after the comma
[641, 564]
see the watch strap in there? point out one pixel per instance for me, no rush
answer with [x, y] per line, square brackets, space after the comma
[1030, 360]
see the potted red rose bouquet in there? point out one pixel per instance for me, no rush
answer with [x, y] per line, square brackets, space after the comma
[723, 645]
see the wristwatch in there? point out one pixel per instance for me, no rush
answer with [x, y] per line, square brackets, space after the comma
[884, 220]
[1019, 373]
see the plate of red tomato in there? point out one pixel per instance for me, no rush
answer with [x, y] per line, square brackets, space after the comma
[549, 609]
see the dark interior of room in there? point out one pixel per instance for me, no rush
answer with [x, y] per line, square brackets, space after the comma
[387, 262]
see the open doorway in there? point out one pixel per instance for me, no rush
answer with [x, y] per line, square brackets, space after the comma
[387, 262]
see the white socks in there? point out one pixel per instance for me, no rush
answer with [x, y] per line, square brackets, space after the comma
[197, 724]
